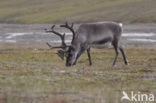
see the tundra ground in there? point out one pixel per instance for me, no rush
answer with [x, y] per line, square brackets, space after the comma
[29, 75]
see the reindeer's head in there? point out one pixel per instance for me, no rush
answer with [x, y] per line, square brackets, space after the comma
[66, 51]
[71, 56]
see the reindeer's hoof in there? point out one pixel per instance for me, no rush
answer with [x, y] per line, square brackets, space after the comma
[127, 63]
[91, 65]
[114, 65]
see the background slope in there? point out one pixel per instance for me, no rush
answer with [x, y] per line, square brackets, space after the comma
[58, 11]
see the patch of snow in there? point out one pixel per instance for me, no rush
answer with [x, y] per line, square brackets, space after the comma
[143, 40]
[138, 34]
[11, 35]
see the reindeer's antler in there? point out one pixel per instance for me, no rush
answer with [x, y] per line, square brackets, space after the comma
[63, 46]
[66, 25]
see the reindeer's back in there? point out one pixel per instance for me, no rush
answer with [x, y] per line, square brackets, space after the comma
[99, 32]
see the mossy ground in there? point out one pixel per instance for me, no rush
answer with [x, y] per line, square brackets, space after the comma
[38, 76]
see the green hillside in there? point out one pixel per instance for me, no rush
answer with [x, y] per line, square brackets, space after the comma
[58, 11]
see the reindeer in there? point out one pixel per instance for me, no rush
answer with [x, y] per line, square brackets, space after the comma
[87, 35]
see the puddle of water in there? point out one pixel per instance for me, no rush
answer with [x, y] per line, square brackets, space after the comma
[11, 35]
[67, 33]
[143, 40]
[138, 34]
[59, 41]
[124, 34]
[10, 41]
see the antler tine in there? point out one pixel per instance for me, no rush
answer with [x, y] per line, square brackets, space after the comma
[52, 30]
[57, 33]
[63, 39]
[66, 25]
[52, 27]
[51, 47]
[72, 25]
[63, 44]
[55, 47]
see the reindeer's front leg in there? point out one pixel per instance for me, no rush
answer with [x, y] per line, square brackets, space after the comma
[89, 56]
[79, 54]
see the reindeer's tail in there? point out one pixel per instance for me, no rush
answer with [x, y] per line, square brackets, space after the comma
[121, 25]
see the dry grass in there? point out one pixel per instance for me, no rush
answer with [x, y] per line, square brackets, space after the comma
[30, 75]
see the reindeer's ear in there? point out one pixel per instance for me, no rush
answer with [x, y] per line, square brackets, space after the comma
[61, 53]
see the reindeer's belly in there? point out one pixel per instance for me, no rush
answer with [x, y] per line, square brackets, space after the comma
[101, 38]
[102, 41]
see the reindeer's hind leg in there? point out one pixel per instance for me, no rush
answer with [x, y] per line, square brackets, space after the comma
[123, 55]
[115, 44]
